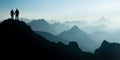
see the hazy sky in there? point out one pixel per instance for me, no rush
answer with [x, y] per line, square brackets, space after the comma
[62, 9]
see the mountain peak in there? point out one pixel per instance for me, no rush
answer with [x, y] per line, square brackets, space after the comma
[12, 22]
[105, 42]
[73, 44]
[39, 21]
[42, 25]
[103, 19]
[75, 28]
[11, 26]
[42, 20]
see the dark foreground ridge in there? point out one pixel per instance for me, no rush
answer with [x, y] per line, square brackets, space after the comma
[19, 40]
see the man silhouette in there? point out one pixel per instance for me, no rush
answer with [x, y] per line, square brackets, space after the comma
[12, 14]
[17, 14]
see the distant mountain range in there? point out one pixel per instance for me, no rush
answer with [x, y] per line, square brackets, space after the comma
[80, 24]
[52, 38]
[60, 27]
[99, 36]
[26, 20]
[102, 21]
[99, 32]
[102, 24]
[19, 40]
[42, 25]
[75, 34]
[101, 28]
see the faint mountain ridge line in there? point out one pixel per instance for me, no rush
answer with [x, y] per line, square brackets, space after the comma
[42, 25]
[52, 38]
[76, 34]
[104, 33]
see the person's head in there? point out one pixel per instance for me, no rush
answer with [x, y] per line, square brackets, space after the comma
[16, 8]
[11, 9]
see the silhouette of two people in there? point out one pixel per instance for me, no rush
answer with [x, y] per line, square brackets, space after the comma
[16, 13]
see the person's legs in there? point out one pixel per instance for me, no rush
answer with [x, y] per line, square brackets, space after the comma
[12, 16]
[17, 17]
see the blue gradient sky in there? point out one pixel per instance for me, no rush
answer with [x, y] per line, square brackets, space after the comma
[62, 9]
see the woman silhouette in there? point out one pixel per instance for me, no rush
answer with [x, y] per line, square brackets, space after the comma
[17, 14]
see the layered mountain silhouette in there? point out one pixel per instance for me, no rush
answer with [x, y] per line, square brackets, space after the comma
[52, 38]
[42, 25]
[108, 51]
[60, 27]
[19, 40]
[99, 36]
[75, 34]
[26, 20]
[80, 24]
[115, 36]
[101, 27]
[102, 21]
